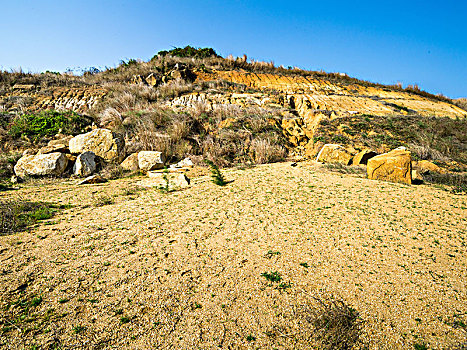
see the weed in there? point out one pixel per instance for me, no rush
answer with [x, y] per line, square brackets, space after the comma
[336, 324]
[250, 338]
[420, 346]
[124, 319]
[305, 265]
[165, 177]
[102, 199]
[272, 276]
[78, 329]
[217, 176]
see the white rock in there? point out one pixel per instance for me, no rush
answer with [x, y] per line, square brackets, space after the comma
[150, 160]
[41, 165]
[184, 163]
[103, 142]
[130, 163]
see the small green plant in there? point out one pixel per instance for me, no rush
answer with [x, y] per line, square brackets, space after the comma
[284, 286]
[217, 176]
[78, 329]
[196, 305]
[271, 253]
[305, 265]
[165, 176]
[272, 276]
[124, 319]
[420, 346]
[250, 338]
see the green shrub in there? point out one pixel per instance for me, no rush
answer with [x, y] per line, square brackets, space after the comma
[47, 123]
[189, 51]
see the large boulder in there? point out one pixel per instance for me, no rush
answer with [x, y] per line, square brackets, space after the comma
[150, 160]
[394, 166]
[103, 143]
[332, 153]
[130, 163]
[362, 157]
[41, 165]
[85, 164]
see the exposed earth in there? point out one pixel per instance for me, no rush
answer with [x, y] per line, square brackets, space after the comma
[131, 268]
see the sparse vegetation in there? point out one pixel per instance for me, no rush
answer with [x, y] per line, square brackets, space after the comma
[435, 138]
[16, 215]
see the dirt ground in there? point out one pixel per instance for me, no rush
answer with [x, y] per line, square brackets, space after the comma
[183, 270]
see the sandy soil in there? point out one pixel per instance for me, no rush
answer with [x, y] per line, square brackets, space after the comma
[183, 270]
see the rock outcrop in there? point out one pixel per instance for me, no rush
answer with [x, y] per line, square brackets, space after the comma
[394, 166]
[103, 143]
[332, 153]
[41, 165]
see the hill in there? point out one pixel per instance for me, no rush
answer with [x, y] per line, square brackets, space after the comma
[203, 104]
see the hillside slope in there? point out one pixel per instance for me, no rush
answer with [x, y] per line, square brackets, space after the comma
[209, 106]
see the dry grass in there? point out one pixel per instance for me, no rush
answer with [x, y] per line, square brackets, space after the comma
[433, 138]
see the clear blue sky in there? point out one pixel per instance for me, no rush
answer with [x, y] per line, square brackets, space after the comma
[411, 41]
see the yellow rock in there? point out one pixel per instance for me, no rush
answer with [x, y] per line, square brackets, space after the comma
[394, 166]
[363, 157]
[332, 153]
[426, 166]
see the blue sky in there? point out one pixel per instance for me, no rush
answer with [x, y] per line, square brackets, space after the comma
[411, 41]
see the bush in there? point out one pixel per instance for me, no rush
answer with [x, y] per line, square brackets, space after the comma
[457, 182]
[47, 123]
[189, 51]
[265, 152]
[336, 325]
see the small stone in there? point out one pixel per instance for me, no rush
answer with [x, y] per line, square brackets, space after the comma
[93, 179]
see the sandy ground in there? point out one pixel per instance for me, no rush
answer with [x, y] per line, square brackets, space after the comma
[183, 270]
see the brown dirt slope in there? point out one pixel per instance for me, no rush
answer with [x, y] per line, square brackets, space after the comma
[184, 270]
